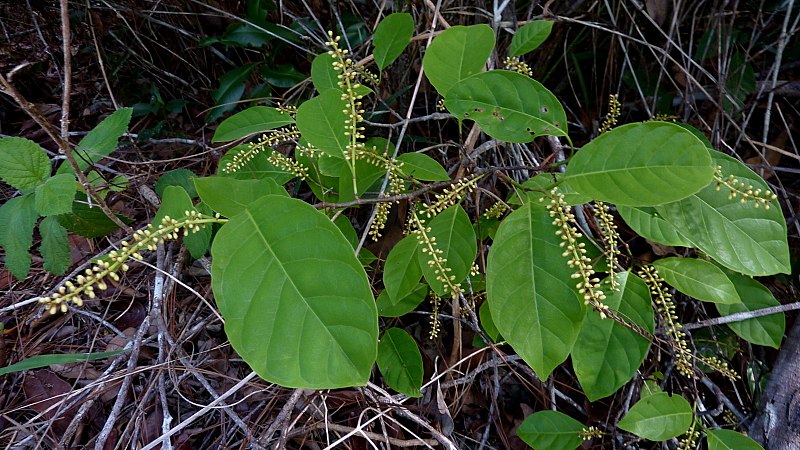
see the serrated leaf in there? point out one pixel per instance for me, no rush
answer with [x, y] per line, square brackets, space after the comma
[730, 440]
[322, 122]
[697, 278]
[35, 362]
[256, 168]
[764, 330]
[529, 36]
[456, 54]
[391, 37]
[89, 221]
[253, 120]
[55, 246]
[646, 222]
[641, 164]
[658, 417]
[530, 290]
[402, 272]
[741, 237]
[178, 177]
[551, 430]
[455, 237]
[400, 362]
[607, 354]
[422, 167]
[297, 303]
[17, 218]
[508, 106]
[403, 306]
[230, 90]
[23, 163]
[55, 195]
[101, 141]
[229, 196]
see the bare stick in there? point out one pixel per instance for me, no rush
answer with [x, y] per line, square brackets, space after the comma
[738, 317]
[66, 40]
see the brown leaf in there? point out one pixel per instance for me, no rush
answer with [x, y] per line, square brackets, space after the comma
[44, 392]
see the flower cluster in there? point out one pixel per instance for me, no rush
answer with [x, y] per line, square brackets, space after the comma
[450, 196]
[588, 285]
[590, 433]
[116, 260]
[614, 111]
[496, 211]
[689, 440]
[282, 162]
[518, 66]
[268, 140]
[608, 231]
[743, 190]
[436, 322]
[720, 366]
[436, 260]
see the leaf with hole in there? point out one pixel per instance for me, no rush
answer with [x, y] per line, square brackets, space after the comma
[529, 37]
[253, 120]
[400, 362]
[23, 163]
[551, 430]
[658, 417]
[508, 106]
[455, 237]
[764, 330]
[457, 53]
[698, 278]
[391, 37]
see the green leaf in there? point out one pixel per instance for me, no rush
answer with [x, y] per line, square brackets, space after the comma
[455, 237]
[508, 106]
[55, 246]
[282, 75]
[89, 221]
[323, 74]
[367, 173]
[456, 54]
[55, 195]
[741, 237]
[646, 222]
[257, 168]
[400, 362]
[344, 225]
[178, 177]
[641, 164]
[698, 278]
[422, 167]
[402, 272]
[101, 141]
[551, 430]
[530, 291]
[529, 36]
[230, 90]
[35, 362]
[539, 185]
[23, 164]
[199, 242]
[730, 440]
[174, 203]
[764, 330]
[403, 306]
[229, 196]
[17, 218]
[297, 304]
[487, 323]
[658, 417]
[391, 37]
[256, 119]
[607, 354]
[322, 122]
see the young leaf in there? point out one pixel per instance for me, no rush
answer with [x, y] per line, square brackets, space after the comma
[530, 291]
[529, 36]
[256, 119]
[55, 195]
[641, 164]
[23, 164]
[400, 362]
[229, 196]
[607, 354]
[658, 417]
[508, 106]
[698, 278]
[741, 237]
[230, 90]
[17, 218]
[35, 362]
[456, 54]
[455, 237]
[551, 430]
[255, 169]
[402, 272]
[646, 222]
[391, 38]
[730, 440]
[764, 330]
[422, 167]
[403, 306]
[101, 141]
[322, 122]
[55, 246]
[297, 304]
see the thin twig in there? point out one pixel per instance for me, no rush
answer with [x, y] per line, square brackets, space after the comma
[738, 317]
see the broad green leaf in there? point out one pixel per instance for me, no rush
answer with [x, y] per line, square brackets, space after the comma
[324, 187]
[17, 218]
[400, 362]
[89, 221]
[764, 330]
[456, 54]
[55, 195]
[367, 173]
[539, 185]
[658, 417]
[174, 203]
[455, 237]
[256, 119]
[282, 75]
[297, 304]
[551, 430]
[405, 305]
[229, 196]
[344, 225]
[641, 164]
[256, 168]
[529, 36]
[530, 291]
[23, 164]
[741, 237]
[730, 440]
[698, 278]
[422, 167]
[487, 323]
[35, 362]
[55, 246]
[402, 272]
[322, 122]
[607, 354]
[101, 141]
[508, 106]
[199, 242]
[323, 74]
[178, 177]
[391, 37]
[230, 90]
[646, 222]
